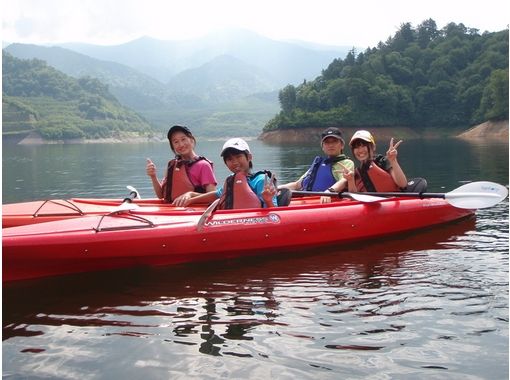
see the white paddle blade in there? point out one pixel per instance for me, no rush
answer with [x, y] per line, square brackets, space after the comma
[475, 195]
[207, 213]
[126, 206]
[364, 198]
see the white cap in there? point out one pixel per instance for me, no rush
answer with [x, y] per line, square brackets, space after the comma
[237, 144]
[362, 135]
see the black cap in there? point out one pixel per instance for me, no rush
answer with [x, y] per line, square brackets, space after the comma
[332, 132]
[178, 128]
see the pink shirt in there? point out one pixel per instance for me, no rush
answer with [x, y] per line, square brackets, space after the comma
[200, 173]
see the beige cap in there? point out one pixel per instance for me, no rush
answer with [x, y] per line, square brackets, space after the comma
[362, 135]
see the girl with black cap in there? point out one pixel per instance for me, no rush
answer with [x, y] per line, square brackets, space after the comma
[187, 175]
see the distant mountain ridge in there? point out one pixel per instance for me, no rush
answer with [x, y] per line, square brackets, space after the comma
[288, 62]
[227, 78]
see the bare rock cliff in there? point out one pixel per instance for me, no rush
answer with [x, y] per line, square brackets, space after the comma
[488, 130]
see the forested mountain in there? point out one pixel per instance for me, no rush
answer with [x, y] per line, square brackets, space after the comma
[130, 87]
[421, 77]
[37, 97]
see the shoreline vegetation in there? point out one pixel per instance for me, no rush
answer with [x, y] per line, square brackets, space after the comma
[490, 130]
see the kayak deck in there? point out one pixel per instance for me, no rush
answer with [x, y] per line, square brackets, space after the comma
[25, 213]
[19, 214]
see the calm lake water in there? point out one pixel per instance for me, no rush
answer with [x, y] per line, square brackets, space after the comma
[432, 304]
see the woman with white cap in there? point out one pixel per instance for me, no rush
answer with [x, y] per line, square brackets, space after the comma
[187, 175]
[242, 189]
[376, 172]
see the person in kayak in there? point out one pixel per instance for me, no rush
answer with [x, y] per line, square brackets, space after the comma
[326, 172]
[241, 189]
[187, 175]
[375, 172]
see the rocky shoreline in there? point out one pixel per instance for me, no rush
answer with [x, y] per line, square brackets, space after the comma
[33, 138]
[489, 131]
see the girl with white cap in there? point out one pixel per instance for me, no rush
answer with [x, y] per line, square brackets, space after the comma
[376, 172]
[242, 189]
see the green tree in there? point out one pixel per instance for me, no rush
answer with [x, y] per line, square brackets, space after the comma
[287, 98]
[493, 105]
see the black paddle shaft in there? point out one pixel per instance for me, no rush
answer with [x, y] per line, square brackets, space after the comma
[373, 193]
[132, 195]
[407, 195]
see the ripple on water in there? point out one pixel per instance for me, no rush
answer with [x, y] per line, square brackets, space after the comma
[432, 305]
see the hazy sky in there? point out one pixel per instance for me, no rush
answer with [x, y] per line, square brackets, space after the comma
[360, 23]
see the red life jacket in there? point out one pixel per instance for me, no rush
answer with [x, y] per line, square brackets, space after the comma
[237, 193]
[177, 179]
[371, 177]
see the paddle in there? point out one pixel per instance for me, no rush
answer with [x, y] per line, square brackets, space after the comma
[473, 195]
[127, 202]
[361, 197]
[481, 194]
[207, 213]
[134, 194]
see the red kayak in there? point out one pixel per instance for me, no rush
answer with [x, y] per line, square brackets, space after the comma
[154, 237]
[20, 214]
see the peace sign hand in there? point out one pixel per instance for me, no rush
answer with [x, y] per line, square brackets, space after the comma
[346, 172]
[392, 152]
[269, 188]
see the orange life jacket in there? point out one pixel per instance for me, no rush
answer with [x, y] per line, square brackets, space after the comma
[371, 177]
[177, 179]
[237, 193]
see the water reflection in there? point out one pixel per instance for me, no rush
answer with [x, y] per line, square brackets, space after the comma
[221, 301]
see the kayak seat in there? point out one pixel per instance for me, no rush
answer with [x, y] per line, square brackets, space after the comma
[416, 185]
[284, 197]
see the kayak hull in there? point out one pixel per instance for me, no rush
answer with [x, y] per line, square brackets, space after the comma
[142, 237]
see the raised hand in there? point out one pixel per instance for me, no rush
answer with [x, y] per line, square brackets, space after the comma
[150, 168]
[347, 173]
[392, 152]
[269, 191]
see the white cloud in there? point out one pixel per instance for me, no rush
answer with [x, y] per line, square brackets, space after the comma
[339, 22]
